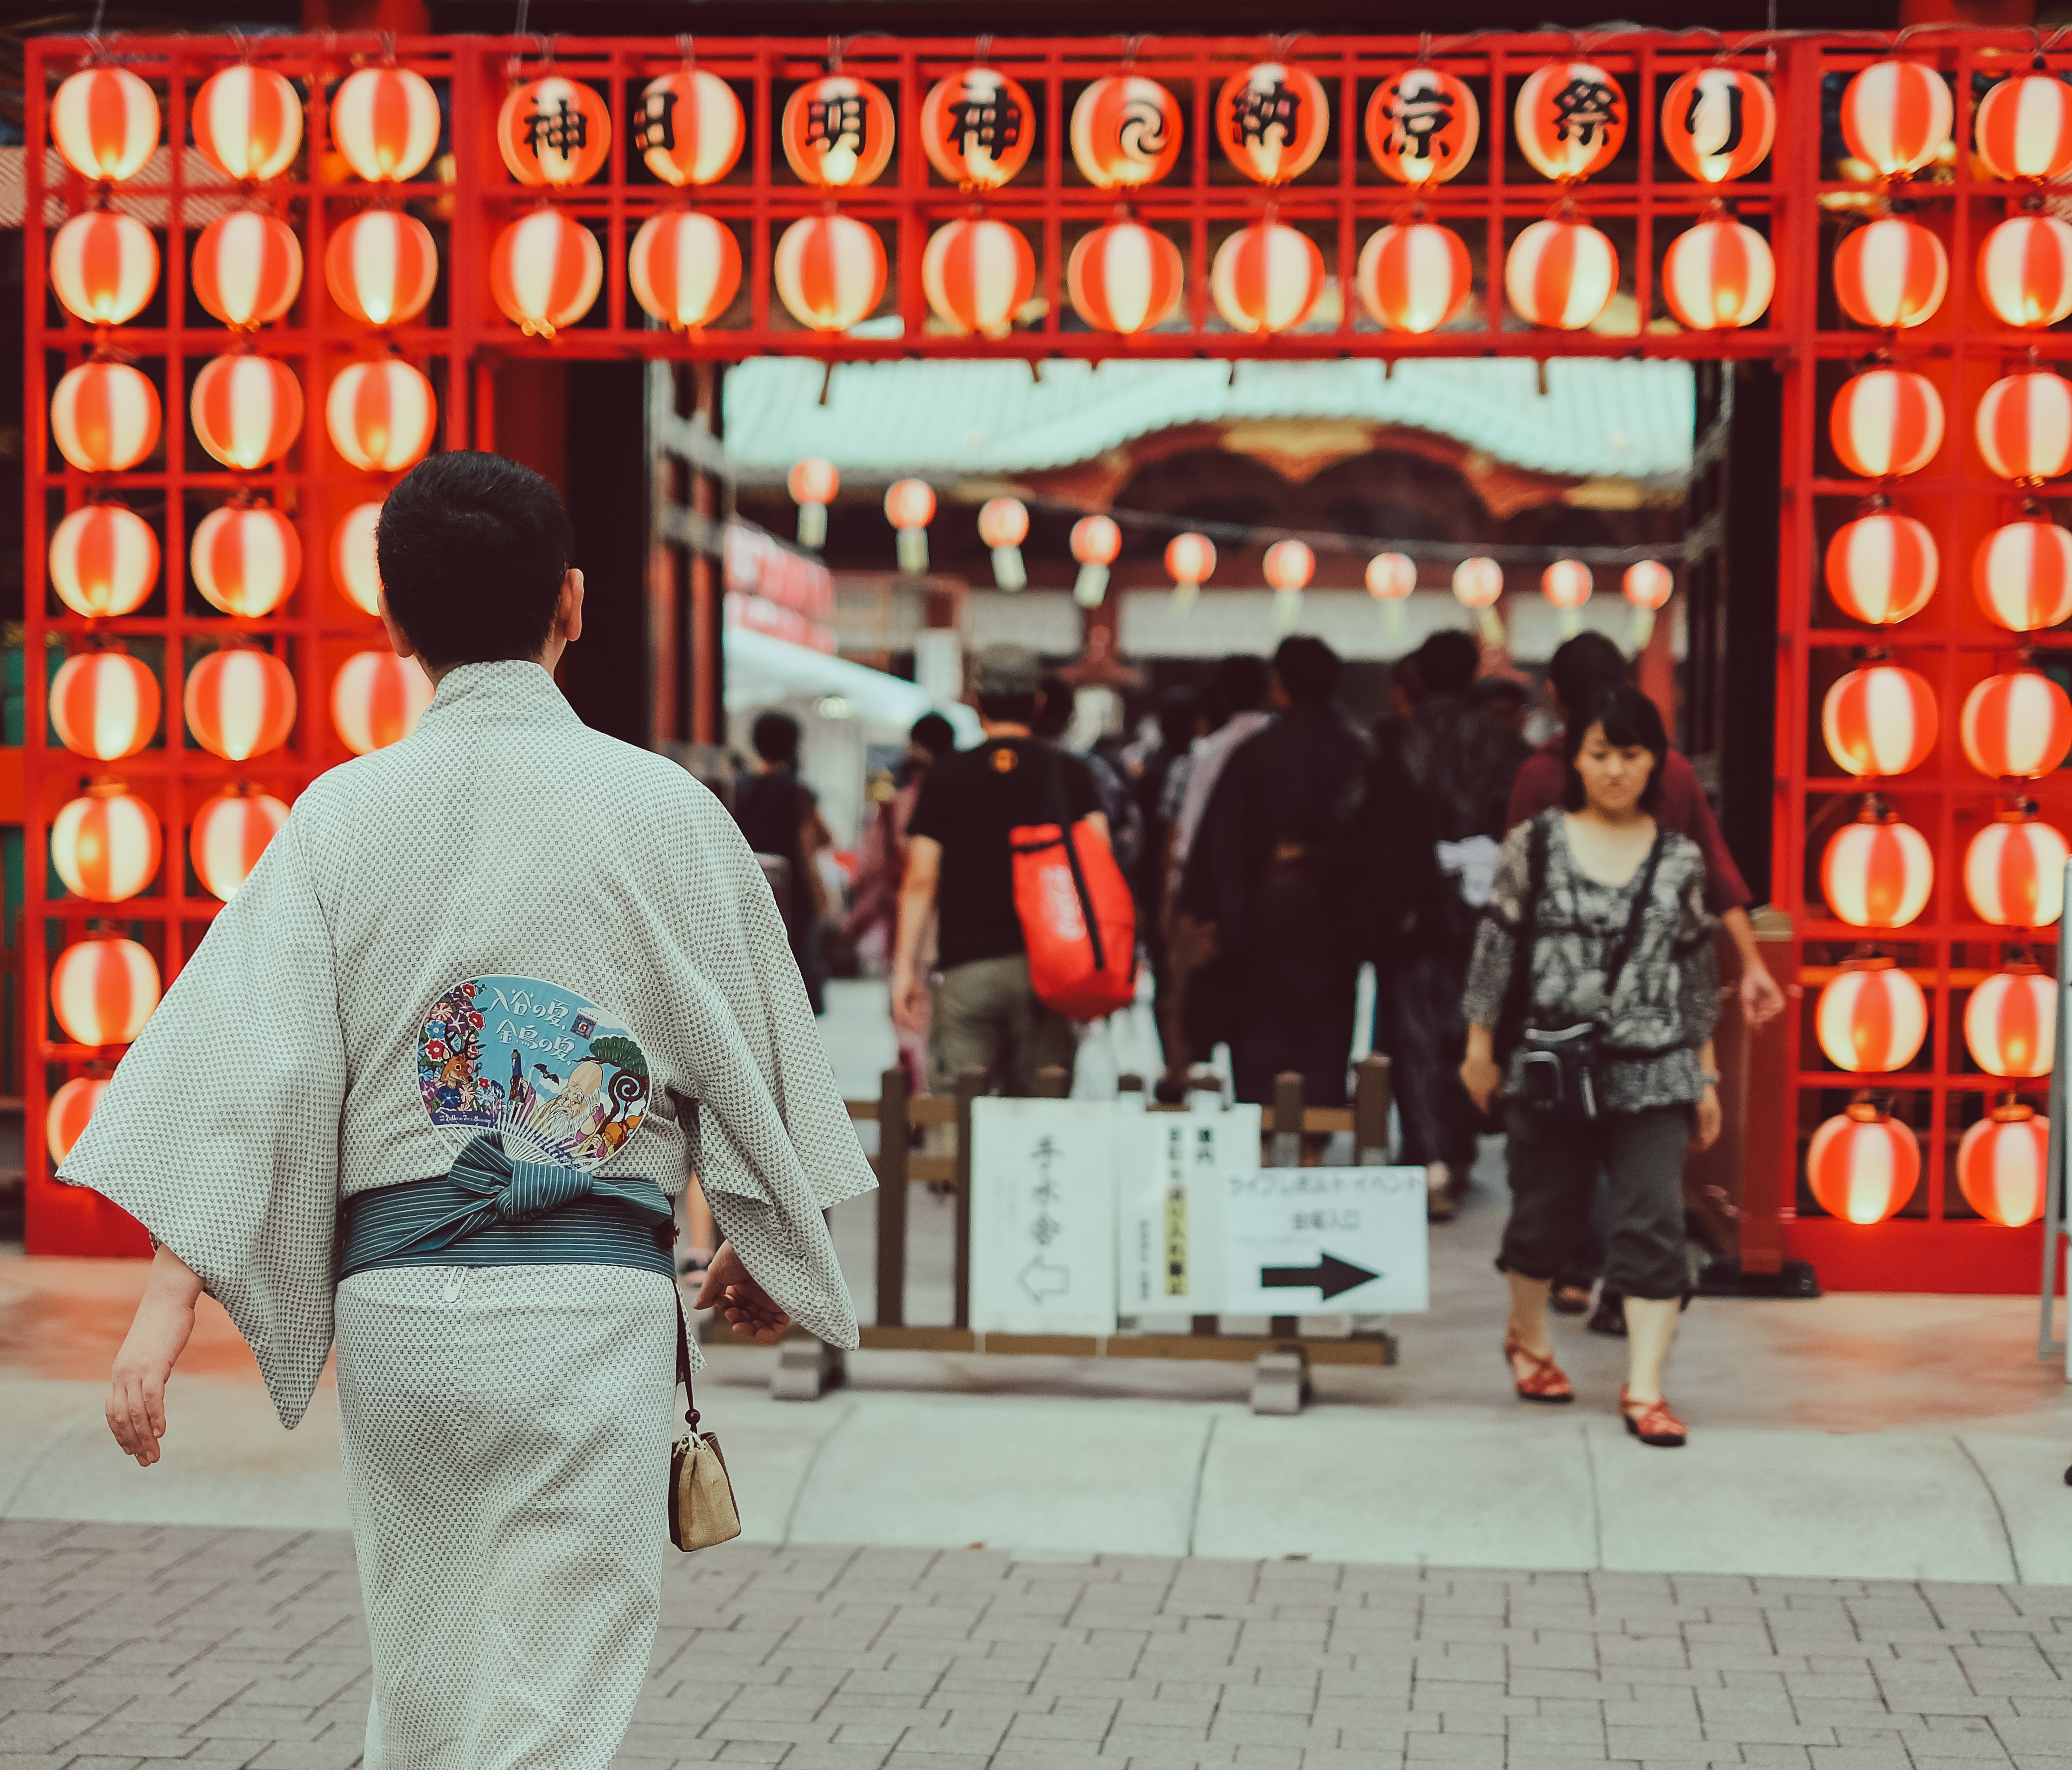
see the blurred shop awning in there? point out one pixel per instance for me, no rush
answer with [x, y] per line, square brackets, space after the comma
[763, 670]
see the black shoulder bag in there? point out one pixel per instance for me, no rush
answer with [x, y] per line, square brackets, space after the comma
[1561, 1072]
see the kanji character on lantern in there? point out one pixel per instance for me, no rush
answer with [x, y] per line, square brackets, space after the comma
[553, 130]
[1422, 126]
[977, 128]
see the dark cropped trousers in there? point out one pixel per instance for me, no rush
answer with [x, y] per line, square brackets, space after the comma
[1554, 1166]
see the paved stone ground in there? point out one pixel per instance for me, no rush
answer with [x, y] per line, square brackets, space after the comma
[120, 1646]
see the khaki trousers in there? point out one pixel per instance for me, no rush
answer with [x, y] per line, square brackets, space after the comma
[986, 1013]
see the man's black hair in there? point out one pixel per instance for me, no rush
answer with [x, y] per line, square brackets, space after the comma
[1582, 669]
[1447, 661]
[1017, 706]
[1308, 669]
[935, 734]
[775, 736]
[1053, 707]
[1240, 684]
[1631, 721]
[472, 549]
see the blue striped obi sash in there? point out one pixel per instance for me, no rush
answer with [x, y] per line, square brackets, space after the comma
[507, 1212]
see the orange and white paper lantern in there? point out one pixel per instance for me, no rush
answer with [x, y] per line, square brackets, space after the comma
[105, 844]
[910, 507]
[1097, 541]
[837, 132]
[247, 410]
[1124, 277]
[385, 122]
[1287, 568]
[2003, 1164]
[1561, 274]
[246, 559]
[104, 123]
[1886, 423]
[104, 560]
[685, 268]
[1863, 1165]
[377, 698]
[1567, 583]
[104, 705]
[2022, 574]
[830, 271]
[1872, 1019]
[1271, 121]
[1267, 278]
[1882, 568]
[1570, 119]
[247, 122]
[1891, 274]
[1126, 132]
[104, 267]
[1003, 525]
[354, 567]
[105, 417]
[2016, 725]
[1422, 126]
[1718, 276]
[1477, 582]
[381, 414]
[1880, 719]
[1414, 276]
[553, 131]
[2026, 270]
[689, 129]
[247, 269]
[102, 991]
[240, 703]
[813, 484]
[2024, 426]
[1191, 558]
[229, 834]
[2022, 128]
[1877, 872]
[382, 267]
[978, 275]
[977, 128]
[1718, 122]
[2011, 1022]
[1896, 117]
[65, 1119]
[2014, 871]
[545, 270]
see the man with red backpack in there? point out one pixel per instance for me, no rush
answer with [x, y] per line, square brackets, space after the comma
[960, 868]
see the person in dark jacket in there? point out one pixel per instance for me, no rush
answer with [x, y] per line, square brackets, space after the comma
[782, 821]
[1268, 874]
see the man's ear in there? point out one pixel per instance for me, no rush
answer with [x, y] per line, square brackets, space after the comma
[568, 607]
[399, 641]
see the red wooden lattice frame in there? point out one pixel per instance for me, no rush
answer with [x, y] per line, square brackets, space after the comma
[1641, 198]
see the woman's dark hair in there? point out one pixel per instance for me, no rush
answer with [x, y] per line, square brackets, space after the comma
[1631, 721]
[472, 549]
[935, 734]
[775, 736]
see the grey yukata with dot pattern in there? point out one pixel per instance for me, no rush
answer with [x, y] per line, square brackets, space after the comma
[506, 1428]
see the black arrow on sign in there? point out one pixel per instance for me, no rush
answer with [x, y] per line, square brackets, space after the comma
[1330, 1275]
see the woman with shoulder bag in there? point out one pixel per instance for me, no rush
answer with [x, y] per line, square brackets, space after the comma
[1591, 1001]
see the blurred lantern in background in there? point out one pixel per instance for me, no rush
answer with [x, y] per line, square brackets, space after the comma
[354, 568]
[1567, 584]
[545, 270]
[813, 484]
[1271, 121]
[910, 507]
[1718, 122]
[1124, 277]
[837, 132]
[1267, 278]
[1095, 542]
[1003, 525]
[65, 1119]
[1126, 132]
[2022, 574]
[2022, 128]
[1414, 276]
[1421, 126]
[1862, 1165]
[1190, 560]
[229, 834]
[247, 410]
[978, 275]
[375, 698]
[104, 267]
[247, 122]
[2016, 725]
[1391, 577]
[381, 414]
[104, 123]
[1882, 568]
[1886, 423]
[1718, 275]
[977, 128]
[2024, 426]
[1896, 117]
[1877, 872]
[240, 703]
[104, 560]
[1880, 719]
[2010, 1022]
[1892, 273]
[689, 129]
[830, 271]
[247, 269]
[2001, 1165]
[1288, 566]
[1561, 274]
[2026, 270]
[105, 417]
[2014, 870]
[246, 559]
[1648, 584]
[102, 991]
[1570, 119]
[684, 268]
[382, 267]
[1478, 584]
[104, 705]
[385, 122]
[105, 844]
[1873, 1018]
[553, 131]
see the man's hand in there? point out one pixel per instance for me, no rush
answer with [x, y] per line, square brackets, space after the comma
[1705, 1127]
[910, 999]
[1761, 1000]
[158, 1334]
[1482, 1078]
[747, 1306]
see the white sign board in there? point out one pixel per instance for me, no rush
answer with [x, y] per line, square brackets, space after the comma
[1313, 1241]
[1169, 1207]
[1042, 1216]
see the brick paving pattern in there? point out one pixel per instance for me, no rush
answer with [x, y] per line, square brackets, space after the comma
[120, 1646]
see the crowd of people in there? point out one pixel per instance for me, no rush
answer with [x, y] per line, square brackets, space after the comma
[1530, 913]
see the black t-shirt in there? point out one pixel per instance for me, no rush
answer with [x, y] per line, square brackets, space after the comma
[969, 803]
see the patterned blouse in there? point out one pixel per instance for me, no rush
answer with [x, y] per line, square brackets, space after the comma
[1669, 995]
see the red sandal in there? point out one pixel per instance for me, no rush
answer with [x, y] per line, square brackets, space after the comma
[1652, 1423]
[1545, 1383]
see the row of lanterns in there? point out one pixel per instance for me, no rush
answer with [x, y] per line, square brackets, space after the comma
[1880, 719]
[1863, 1165]
[1888, 423]
[1873, 1019]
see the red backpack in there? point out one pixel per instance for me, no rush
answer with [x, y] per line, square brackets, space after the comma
[1079, 920]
